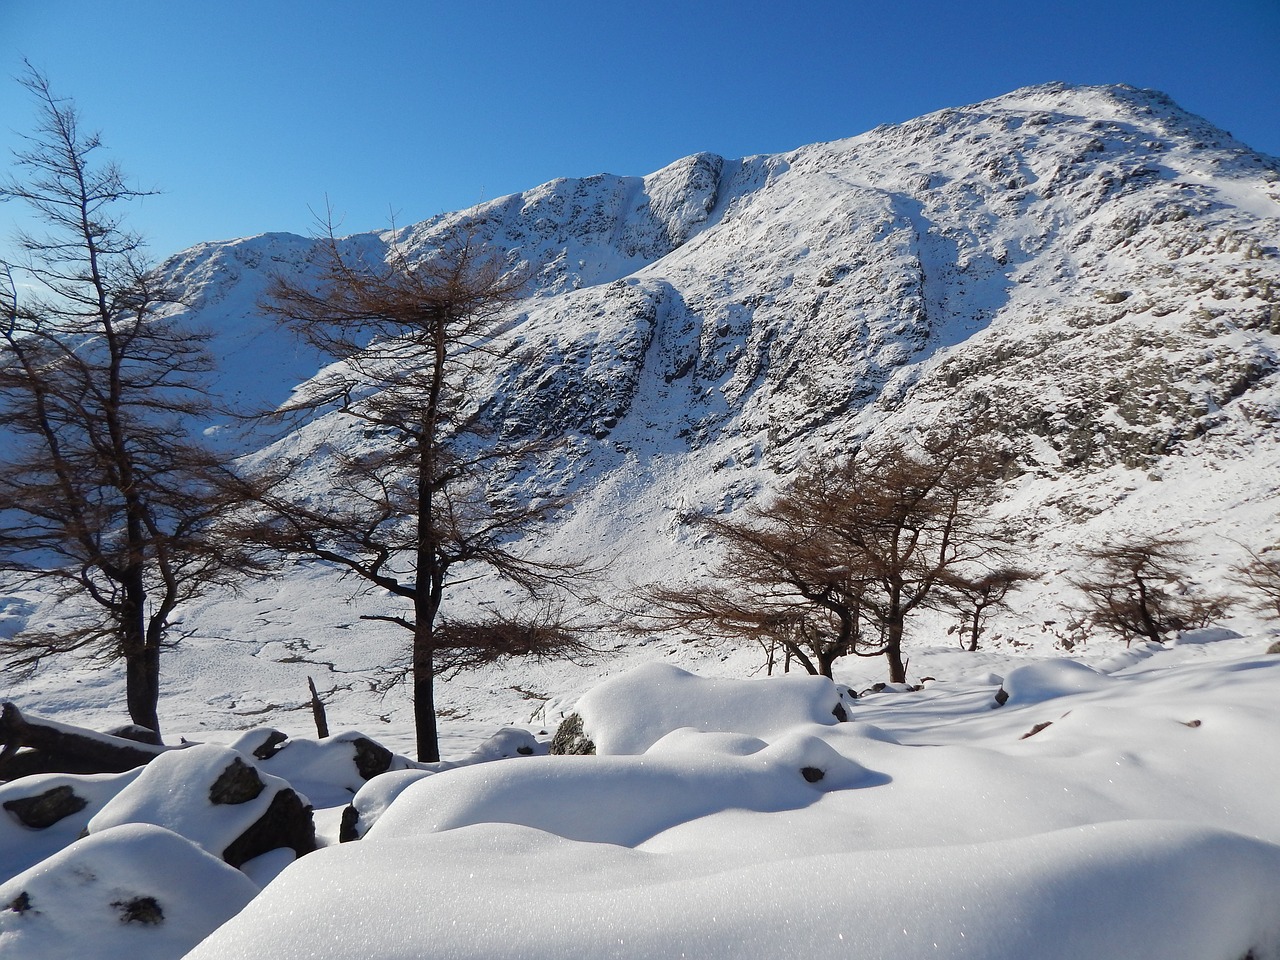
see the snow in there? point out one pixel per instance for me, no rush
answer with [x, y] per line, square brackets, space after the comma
[622, 800]
[135, 892]
[1145, 890]
[674, 698]
[21, 847]
[324, 771]
[173, 792]
[1119, 831]
[1044, 681]
[1119, 806]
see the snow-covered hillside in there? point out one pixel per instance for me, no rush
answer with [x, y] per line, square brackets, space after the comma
[1090, 268]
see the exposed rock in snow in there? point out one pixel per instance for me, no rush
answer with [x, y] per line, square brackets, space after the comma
[23, 843]
[216, 799]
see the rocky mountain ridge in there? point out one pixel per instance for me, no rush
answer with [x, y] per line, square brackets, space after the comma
[1091, 268]
[975, 255]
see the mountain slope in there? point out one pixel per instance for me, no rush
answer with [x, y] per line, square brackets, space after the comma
[1092, 269]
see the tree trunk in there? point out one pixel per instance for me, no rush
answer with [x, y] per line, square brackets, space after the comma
[893, 652]
[1144, 611]
[974, 630]
[424, 694]
[141, 656]
[826, 660]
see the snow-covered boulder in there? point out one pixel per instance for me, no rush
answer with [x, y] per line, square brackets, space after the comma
[216, 798]
[134, 892]
[45, 812]
[1048, 680]
[332, 770]
[627, 799]
[373, 799]
[629, 713]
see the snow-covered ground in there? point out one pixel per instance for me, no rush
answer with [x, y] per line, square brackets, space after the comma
[1119, 805]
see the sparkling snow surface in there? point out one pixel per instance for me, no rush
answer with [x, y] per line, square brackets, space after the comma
[1139, 824]
[134, 892]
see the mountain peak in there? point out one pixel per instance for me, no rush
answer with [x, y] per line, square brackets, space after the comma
[1091, 268]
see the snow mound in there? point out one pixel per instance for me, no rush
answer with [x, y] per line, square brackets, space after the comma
[22, 846]
[332, 770]
[1051, 679]
[629, 713]
[1206, 635]
[622, 800]
[1163, 891]
[135, 892]
[375, 797]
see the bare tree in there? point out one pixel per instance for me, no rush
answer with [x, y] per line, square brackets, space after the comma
[1261, 576]
[105, 491]
[413, 502]
[838, 563]
[1138, 588]
[975, 598]
[776, 586]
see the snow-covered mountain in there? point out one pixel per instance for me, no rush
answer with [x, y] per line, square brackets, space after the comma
[1091, 268]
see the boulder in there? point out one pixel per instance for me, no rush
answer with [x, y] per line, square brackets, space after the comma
[570, 740]
[218, 799]
[136, 891]
[332, 770]
[45, 809]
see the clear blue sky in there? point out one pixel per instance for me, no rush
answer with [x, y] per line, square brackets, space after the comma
[249, 113]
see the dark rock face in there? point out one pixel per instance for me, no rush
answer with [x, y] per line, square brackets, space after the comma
[239, 783]
[371, 758]
[46, 809]
[570, 740]
[270, 746]
[143, 910]
[349, 829]
[287, 823]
